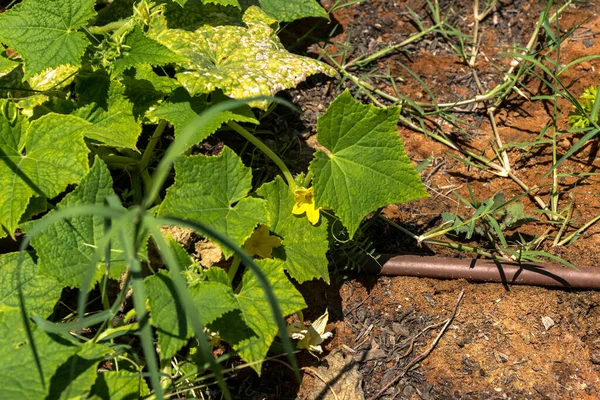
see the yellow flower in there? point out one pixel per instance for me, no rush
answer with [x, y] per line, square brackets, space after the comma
[310, 338]
[261, 243]
[305, 203]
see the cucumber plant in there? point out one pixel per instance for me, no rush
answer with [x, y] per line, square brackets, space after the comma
[89, 88]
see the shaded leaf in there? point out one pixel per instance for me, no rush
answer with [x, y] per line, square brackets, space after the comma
[23, 380]
[212, 299]
[74, 378]
[143, 50]
[116, 126]
[121, 385]
[67, 259]
[195, 14]
[183, 109]
[253, 343]
[39, 160]
[40, 292]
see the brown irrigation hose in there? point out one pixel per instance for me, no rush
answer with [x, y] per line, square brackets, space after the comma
[506, 272]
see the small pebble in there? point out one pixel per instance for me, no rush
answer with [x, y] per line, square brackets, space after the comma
[548, 322]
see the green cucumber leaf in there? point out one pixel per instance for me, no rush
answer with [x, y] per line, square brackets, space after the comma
[183, 257]
[6, 65]
[212, 191]
[164, 84]
[183, 109]
[243, 62]
[40, 292]
[52, 78]
[365, 166]
[44, 32]
[143, 50]
[212, 300]
[42, 161]
[67, 259]
[114, 11]
[143, 94]
[287, 11]
[74, 379]
[92, 87]
[234, 3]
[37, 205]
[304, 245]
[121, 385]
[195, 14]
[116, 126]
[216, 274]
[253, 342]
[23, 380]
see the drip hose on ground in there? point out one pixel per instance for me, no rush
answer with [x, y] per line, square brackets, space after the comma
[480, 270]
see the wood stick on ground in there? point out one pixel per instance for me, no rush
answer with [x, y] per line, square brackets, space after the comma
[423, 355]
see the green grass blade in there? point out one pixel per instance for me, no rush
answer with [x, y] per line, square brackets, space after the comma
[139, 303]
[153, 226]
[249, 262]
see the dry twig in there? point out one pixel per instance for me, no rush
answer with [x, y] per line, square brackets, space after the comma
[423, 355]
[315, 373]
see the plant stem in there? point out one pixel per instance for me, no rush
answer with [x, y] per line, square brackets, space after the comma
[579, 231]
[268, 152]
[450, 245]
[145, 160]
[307, 178]
[113, 26]
[148, 184]
[233, 268]
[361, 62]
[112, 159]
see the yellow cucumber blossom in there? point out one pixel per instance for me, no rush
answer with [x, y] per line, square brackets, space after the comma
[310, 338]
[305, 203]
[260, 243]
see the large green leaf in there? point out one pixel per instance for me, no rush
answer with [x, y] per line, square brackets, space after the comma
[41, 161]
[122, 385]
[182, 109]
[74, 378]
[234, 3]
[253, 342]
[40, 292]
[44, 32]
[365, 166]
[212, 299]
[68, 259]
[23, 378]
[143, 50]
[116, 126]
[212, 191]
[291, 10]
[304, 245]
[243, 62]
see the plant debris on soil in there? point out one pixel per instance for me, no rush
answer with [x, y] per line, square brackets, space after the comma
[504, 342]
